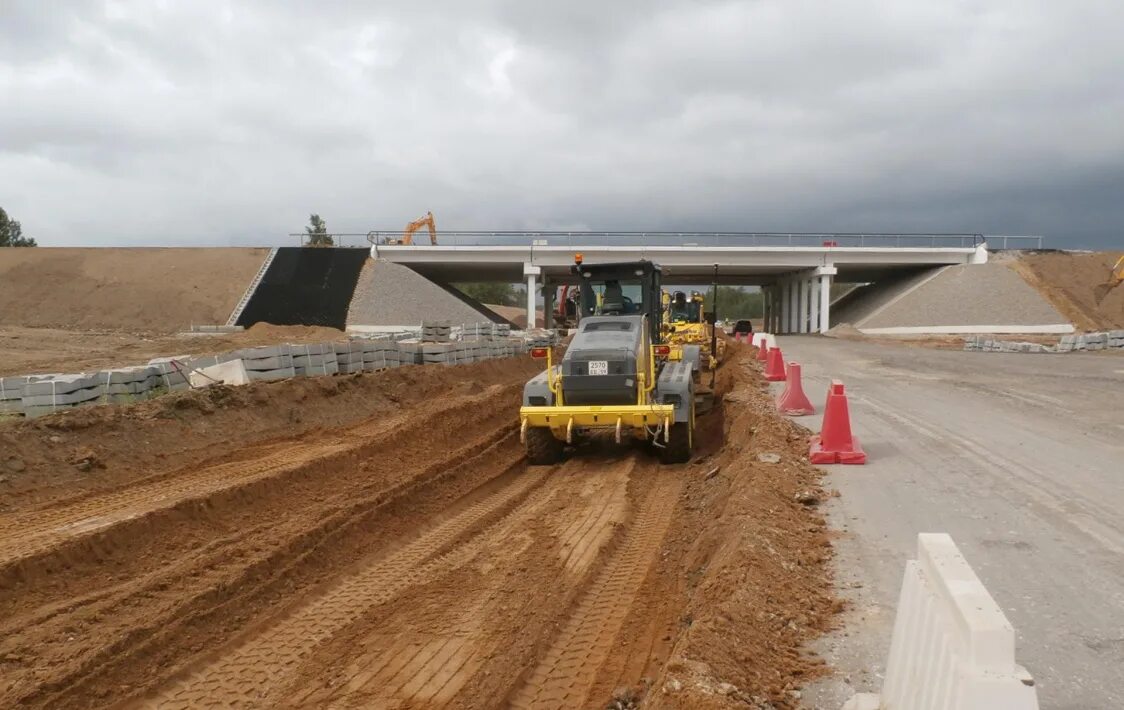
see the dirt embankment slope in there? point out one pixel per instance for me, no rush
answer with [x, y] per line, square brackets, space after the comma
[393, 549]
[1069, 279]
[128, 289]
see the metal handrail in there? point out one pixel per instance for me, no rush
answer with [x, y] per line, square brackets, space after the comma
[688, 238]
[637, 238]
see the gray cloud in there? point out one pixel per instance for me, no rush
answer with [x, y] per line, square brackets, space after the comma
[134, 122]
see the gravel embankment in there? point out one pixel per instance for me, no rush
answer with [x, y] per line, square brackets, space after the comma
[983, 294]
[391, 294]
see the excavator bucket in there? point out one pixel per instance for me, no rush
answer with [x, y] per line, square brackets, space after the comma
[1114, 280]
[1102, 290]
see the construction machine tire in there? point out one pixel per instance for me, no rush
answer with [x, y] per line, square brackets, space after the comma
[542, 448]
[677, 449]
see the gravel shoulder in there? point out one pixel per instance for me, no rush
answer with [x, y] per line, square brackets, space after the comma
[1018, 458]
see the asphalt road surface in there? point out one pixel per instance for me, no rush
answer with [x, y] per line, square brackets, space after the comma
[1020, 458]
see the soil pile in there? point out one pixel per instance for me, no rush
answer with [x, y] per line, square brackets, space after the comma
[134, 290]
[1069, 279]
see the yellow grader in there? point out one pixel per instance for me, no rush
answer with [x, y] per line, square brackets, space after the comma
[685, 324]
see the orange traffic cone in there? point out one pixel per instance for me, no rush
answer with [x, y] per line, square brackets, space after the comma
[793, 401]
[774, 366]
[834, 443]
[762, 352]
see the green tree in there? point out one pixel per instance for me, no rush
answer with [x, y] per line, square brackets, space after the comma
[736, 302]
[11, 233]
[492, 293]
[317, 232]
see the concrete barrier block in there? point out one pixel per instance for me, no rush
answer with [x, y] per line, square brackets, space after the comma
[281, 373]
[863, 701]
[232, 372]
[952, 646]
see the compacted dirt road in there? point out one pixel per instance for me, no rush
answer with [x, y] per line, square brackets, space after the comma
[410, 558]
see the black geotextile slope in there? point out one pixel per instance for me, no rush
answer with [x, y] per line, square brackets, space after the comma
[306, 286]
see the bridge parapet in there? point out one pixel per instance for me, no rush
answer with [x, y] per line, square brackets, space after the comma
[578, 239]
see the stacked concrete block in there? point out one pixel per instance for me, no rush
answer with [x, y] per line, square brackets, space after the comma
[130, 384]
[11, 393]
[1067, 343]
[349, 356]
[436, 331]
[378, 354]
[50, 393]
[442, 353]
[314, 359]
[410, 352]
[172, 372]
[271, 362]
[35, 395]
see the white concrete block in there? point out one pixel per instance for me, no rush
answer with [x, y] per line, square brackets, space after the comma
[863, 701]
[232, 372]
[952, 646]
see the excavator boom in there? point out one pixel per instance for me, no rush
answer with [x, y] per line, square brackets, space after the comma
[412, 227]
[1115, 278]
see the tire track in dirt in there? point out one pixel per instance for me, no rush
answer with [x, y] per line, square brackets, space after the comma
[426, 657]
[35, 532]
[137, 614]
[255, 671]
[565, 675]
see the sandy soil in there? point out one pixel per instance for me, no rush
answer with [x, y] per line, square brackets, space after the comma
[26, 351]
[132, 290]
[1068, 280]
[378, 541]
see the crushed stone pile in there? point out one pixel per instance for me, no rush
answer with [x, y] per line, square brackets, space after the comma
[977, 296]
[390, 294]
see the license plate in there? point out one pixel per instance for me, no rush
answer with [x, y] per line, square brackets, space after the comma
[598, 367]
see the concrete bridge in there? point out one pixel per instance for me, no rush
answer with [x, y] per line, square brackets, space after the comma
[795, 271]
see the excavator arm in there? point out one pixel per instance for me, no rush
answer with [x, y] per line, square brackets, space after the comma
[413, 227]
[1115, 278]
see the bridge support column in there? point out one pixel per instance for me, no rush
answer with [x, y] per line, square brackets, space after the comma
[531, 271]
[767, 308]
[786, 305]
[794, 311]
[547, 303]
[805, 303]
[826, 275]
[814, 302]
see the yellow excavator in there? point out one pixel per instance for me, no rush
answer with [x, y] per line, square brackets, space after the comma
[411, 228]
[1115, 278]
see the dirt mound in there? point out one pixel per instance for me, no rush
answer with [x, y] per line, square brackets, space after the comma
[25, 351]
[267, 333]
[379, 541]
[134, 290]
[1068, 280]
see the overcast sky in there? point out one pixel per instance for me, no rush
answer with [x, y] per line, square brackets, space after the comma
[206, 122]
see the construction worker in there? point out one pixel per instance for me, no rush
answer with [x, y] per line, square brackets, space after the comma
[680, 309]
